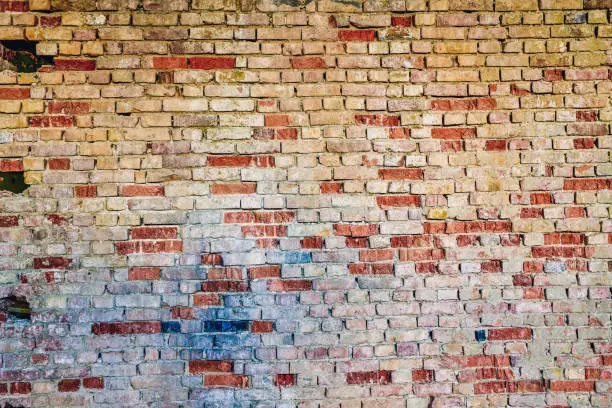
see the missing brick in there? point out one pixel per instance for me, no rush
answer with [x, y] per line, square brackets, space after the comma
[12, 182]
[15, 308]
[20, 56]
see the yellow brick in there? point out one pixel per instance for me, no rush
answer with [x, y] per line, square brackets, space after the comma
[516, 5]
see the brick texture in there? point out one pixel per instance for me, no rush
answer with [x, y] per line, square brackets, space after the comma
[307, 204]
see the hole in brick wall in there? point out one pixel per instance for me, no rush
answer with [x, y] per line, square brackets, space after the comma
[15, 308]
[20, 56]
[13, 182]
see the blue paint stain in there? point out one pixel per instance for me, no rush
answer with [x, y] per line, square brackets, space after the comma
[194, 340]
[223, 326]
[293, 257]
[231, 313]
[233, 340]
[228, 354]
[481, 335]
[171, 327]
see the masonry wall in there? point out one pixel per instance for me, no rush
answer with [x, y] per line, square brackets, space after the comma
[302, 203]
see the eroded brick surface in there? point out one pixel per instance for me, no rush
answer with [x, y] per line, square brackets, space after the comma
[307, 203]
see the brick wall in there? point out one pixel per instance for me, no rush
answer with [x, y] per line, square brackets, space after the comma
[313, 203]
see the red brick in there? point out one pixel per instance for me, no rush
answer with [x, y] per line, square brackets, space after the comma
[238, 217]
[212, 259]
[586, 116]
[185, 313]
[377, 120]
[229, 380]
[144, 273]
[587, 184]
[150, 247]
[496, 145]
[69, 107]
[210, 366]
[369, 377]
[400, 174]
[422, 375]
[229, 161]
[142, 191]
[398, 201]
[57, 219]
[261, 327]
[553, 74]
[14, 6]
[541, 198]
[10, 166]
[59, 164]
[206, 299]
[20, 388]
[453, 133]
[488, 361]
[93, 383]
[225, 286]
[7, 221]
[225, 273]
[572, 386]
[407, 21]
[264, 231]
[50, 21]
[510, 333]
[233, 188]
[533, 293]
[408, 241]
[212, 63]
[74, 65]
[268, 271]
[575, 212]
[308, 63]
[170, 62]
[493, 266]
[126, 328]
[69, 385]
[52, 121]
[273, 217]
[154, 232]
[357, 35]
[522, 280]
[312, 243]
[371, 269]
[426, 267]
[356, 242]
[288, 285]
[284, 380]
[52, 262]
[492, 387]
[331, 188]
[286, 134]
[14, 93]
[86, 191]
[532, 212]
[463, 104]
[399, 133]
[584, 143]
[277, 120]
[375, 255]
